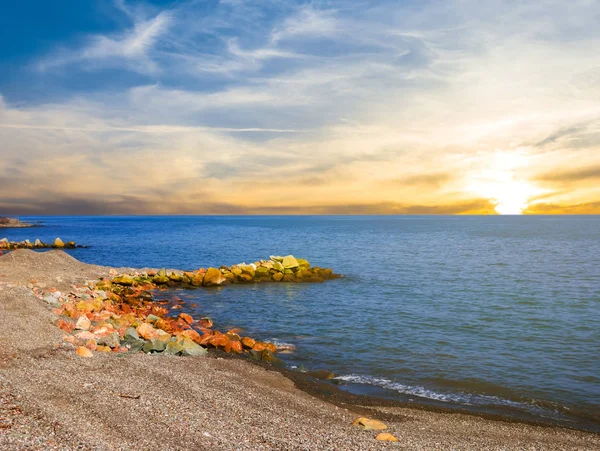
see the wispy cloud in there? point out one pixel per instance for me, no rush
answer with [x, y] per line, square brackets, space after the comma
[344, 106]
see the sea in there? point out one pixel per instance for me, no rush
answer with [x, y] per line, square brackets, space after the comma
[491, 314]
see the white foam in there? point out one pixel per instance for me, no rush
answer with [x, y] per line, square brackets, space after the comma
[457, 397]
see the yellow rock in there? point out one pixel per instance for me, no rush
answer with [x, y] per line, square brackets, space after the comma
[385, 437]
[368, 424]
[84, 352]
[103, 349]
[59, 243]
[289, 262]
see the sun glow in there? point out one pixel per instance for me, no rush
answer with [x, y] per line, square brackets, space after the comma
[499, 183]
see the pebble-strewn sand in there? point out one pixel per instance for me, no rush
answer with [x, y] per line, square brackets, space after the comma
[52, 399]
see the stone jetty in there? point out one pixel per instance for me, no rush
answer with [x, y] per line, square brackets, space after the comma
[37, 244]
[120, 314]
[13, 223]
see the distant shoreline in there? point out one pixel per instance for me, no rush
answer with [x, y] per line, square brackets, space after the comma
[14, 223]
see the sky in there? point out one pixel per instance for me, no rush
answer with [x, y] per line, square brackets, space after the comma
[299, 107]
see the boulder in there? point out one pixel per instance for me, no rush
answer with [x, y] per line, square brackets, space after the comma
[197, 279]
[386, 437]
[174, 348]
[83, 323]
[192, 349]
[154, 345]
[248, 343]
[84, 352]
[110, 340]
[289, 262]
[214, 277]
[146, 331]
[58, 243]
[303, 263]
[131, 334]
[38, 243]
[368, 424]
[124, 279]
[277, 276]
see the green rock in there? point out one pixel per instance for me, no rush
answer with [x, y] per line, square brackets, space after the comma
[111, 340]
[174, 348]
[152, 319]
[134, 345]
[125, 279]
[131, 334]
[154, 345]
[192, 349]
[160, 280]
[162, 273]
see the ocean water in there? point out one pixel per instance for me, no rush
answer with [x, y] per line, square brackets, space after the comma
[494, 314]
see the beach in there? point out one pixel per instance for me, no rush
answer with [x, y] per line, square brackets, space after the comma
[54, 399]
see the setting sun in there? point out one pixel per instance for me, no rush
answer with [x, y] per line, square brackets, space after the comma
[499, 183]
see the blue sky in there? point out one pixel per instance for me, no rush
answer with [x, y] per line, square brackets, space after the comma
[240, 106]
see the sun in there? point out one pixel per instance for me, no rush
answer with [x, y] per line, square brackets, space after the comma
[499, 182]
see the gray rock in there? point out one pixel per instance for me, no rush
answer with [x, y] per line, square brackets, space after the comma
[131, 334]
[174, 348]
[111, 340]
[52, 301]
[154, 345]
[191, 348]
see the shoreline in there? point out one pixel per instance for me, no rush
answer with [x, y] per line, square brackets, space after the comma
[35, 370]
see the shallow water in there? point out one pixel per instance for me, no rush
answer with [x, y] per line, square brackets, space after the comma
[501, 314]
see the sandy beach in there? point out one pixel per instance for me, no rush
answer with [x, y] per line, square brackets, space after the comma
[52, 399]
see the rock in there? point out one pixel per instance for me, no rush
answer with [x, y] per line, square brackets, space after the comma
[248, 269]
[197, 279]
[192, 349]
[276, 258]
[214, 277]
[152, 319]
[52, 301]
[124, 279]
[277, 276]
[321, 374]
[58, 243]
[160, 280]
[84, 352]
[267, 356]
[83, 323]
[386, 437]
[131, 334]
[248, 343]
[192, 335]
[277, 266]
[146, 331]
[289, 262]
[245, 277]
[103, 348]
[187, 318]
[304, 264]
[134, 345]
[38, 243]
[154, 345]
[110, 340]
[174, 348]
[66, 326]
[368, 424]
[236, 270]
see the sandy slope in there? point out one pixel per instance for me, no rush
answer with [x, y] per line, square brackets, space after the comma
[52, 399]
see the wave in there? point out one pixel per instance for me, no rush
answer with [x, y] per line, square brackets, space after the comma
[457, 397]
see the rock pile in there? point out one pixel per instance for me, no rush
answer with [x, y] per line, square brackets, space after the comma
[276, 269]
[37, 244]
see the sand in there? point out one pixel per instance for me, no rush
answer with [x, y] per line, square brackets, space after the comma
[52, 399]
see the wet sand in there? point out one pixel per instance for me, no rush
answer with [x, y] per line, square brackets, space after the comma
[52, 399]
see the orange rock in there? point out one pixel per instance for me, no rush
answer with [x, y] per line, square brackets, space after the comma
[220, 341]
[103, 349]
[163, 324]
[259, 346]
[205, 322]
[84, 352]
[236, 346]
[271, 347]
[386, 437]
[192, 335]
[187, 318]
[213, 276]
[70, 339]
[66, 326]
[368, 424]
[146, 331]
[248, 342]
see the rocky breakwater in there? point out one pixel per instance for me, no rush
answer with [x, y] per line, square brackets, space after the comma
[119, 313]
[276, 269]
[6, 245]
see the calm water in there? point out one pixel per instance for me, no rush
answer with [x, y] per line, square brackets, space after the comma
[501, 314]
